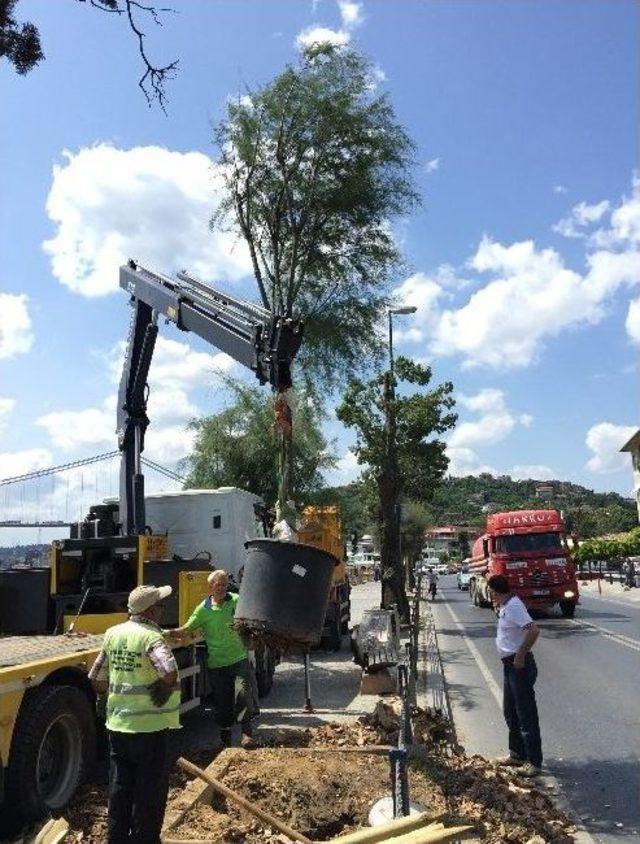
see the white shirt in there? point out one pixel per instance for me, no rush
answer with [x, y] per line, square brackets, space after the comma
[513, 619]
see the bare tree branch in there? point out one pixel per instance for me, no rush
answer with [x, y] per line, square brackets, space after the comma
[152, 81]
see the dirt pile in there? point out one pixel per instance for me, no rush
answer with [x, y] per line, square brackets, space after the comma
[324, 794]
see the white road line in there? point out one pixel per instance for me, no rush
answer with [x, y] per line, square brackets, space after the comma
[627, 641]
[581, 836]
[634, 605]
[494, 688]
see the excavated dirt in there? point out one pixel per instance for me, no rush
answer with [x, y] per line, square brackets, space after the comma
[323, 794]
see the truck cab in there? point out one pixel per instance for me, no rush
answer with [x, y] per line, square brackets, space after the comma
[528, 547]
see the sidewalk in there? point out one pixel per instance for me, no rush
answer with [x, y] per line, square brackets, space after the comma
[335, 681]
[610, 591]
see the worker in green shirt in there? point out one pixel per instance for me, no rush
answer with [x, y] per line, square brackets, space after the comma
[227, 658]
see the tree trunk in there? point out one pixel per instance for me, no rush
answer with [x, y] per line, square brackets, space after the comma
[393, 585]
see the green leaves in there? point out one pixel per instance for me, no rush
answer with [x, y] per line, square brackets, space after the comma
[239, 446]
[315, 167]
[419, 418]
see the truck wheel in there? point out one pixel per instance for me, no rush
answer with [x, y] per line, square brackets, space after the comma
[568, 609]
[53, 747]
[265, 668]
[332, 641]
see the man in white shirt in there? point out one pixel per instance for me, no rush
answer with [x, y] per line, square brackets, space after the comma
[515, 637]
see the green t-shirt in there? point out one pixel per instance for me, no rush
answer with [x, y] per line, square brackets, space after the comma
[224, 646]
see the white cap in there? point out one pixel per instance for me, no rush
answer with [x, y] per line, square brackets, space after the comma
[144, 597]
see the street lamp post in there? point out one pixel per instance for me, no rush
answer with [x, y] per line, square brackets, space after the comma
[391, 448]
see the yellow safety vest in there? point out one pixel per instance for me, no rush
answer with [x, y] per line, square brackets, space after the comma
[129, 705]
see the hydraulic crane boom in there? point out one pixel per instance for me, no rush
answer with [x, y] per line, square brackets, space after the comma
[255, 337]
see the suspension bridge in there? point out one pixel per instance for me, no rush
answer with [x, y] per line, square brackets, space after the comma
[59, 496]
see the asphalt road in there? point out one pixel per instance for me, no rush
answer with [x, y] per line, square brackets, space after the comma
[588, 694]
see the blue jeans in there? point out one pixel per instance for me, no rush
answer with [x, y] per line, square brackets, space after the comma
[520, 710]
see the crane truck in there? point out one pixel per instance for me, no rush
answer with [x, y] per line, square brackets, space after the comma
[47, 708]
[528, 547]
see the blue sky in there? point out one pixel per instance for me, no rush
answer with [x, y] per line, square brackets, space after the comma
[523, 260]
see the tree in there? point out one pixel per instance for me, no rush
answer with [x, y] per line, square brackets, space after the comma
[421, 461]
[415, 520]
[238, 446]
[20, 44]
[314, 167]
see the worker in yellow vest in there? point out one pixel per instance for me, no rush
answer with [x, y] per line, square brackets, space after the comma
[139, 674]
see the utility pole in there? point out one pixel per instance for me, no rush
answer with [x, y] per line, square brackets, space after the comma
[392, 577]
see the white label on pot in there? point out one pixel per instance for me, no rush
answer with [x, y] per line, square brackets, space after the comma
[299, 570]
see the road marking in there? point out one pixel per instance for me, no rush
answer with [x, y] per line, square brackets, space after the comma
[634, 605]
[621, 639]
[494, 688]
[581, 836]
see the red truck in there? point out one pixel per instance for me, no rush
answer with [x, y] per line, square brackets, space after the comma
[530, 548]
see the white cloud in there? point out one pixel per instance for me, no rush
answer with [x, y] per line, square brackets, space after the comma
[531, 296]
[346, 470]
[6, 406]
[16, 336]
[605, 441]
[581, 217]
[533, 471]
[322, 35]
[148, 203]
[176, 370]
[71, 429]
[559, 189]
[351, 13]
[432, 165]
[632, 323]
[494, 423]
[15, 463]
[465, 461]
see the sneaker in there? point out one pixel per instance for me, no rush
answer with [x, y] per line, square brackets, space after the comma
[529, 770]
[509, 761]
[225, 738]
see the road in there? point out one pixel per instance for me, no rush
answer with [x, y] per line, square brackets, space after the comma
[588, 694]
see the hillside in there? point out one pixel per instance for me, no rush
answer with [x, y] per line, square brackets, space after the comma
[468, 500]
[588, 513]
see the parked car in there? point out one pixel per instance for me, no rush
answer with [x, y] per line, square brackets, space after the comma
[464, 576]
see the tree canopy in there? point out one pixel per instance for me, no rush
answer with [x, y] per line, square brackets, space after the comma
[238, 446]
[420, 418]
[315, 167]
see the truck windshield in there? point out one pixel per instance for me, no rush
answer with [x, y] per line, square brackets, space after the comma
[519, 543]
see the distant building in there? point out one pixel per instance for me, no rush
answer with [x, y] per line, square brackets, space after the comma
[441, 540]
[633, 448]
[545, 491]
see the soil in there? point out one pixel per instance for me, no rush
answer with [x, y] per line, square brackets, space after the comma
[327, 794]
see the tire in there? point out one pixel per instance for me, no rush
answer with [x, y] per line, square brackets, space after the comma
[53, 749]
[265, 668]
[459, 588]
[568, 609]
[332, 641]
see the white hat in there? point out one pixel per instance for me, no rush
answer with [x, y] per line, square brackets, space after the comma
[144, 597]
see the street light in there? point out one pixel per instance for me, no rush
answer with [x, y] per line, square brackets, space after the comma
[405, 309]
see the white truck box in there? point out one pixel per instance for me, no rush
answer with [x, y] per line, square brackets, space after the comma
[219, 521]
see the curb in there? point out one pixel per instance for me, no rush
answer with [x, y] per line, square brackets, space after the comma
[581, 835]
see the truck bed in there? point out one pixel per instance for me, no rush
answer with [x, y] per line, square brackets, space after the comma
[17, 650]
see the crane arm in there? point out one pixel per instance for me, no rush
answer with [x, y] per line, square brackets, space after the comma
[251, 335]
